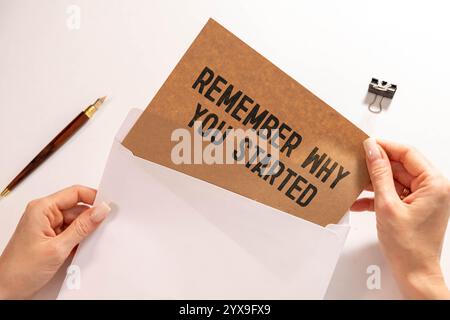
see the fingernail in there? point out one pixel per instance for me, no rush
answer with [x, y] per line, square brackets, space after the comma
[372, 149]
[100, 212]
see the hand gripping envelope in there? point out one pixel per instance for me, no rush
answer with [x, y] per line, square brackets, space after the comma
[172, 236]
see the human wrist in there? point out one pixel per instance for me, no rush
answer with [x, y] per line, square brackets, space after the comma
[427, 287]
[4, 292]
[7, 281]
[424, 283]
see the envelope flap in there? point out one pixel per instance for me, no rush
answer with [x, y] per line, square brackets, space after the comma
[130, 120]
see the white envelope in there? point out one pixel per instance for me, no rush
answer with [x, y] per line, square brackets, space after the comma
[172, 236]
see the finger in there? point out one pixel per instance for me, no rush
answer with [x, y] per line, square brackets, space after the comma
[380, 172]
[67, 216]
[86, 223]
[363, 204]
[414, 162]
[72, 213]
[399, 187]
[401, 175]
[69, 197]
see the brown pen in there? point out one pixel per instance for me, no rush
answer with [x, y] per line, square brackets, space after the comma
[55, 144]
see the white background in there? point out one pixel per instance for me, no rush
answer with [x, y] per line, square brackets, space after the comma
[126, 49]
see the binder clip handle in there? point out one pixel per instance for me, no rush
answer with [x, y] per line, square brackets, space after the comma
[376, 108]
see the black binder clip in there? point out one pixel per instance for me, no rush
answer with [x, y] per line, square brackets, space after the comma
[383, 89]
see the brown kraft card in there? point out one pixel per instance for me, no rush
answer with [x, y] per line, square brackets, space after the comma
[223, 84]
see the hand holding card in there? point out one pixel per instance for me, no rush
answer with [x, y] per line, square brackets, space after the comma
[225, 85]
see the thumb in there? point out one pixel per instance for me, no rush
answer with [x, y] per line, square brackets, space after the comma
[84, 225]
[380, 172]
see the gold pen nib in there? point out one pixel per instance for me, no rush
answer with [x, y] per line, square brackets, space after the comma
[101, 100]
[5, 192]
[89, 111]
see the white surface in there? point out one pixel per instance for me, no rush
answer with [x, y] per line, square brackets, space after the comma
[194, 240]
[126, 49]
